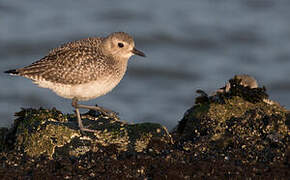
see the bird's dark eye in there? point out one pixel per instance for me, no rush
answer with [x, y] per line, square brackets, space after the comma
[120, 45]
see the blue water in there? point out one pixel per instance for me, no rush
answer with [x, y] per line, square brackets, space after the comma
[189, 45]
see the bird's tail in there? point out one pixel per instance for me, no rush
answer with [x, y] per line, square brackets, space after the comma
[12, 72]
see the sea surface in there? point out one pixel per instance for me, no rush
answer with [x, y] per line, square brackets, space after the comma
[189, 45]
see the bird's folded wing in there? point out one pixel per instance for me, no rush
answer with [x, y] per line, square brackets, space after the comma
[68, 66]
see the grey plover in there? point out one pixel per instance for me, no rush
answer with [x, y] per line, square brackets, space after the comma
[83, 69]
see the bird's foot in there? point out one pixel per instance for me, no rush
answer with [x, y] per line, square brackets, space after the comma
[97, 110]
[88, 130]
[107, 112]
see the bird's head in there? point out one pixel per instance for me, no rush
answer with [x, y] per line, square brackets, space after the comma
[120, 45]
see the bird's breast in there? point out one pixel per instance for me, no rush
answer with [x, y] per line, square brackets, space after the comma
[85, 91]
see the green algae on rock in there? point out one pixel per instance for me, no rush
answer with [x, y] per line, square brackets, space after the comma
[51, 133]
[235, 133]
[239, 122]
[40, 132]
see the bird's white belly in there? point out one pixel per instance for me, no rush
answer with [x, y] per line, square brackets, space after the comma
[85, 91]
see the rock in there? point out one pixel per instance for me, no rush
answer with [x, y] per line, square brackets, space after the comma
[3, 132]
[51, 133]
[235, 132]
[238, 124]
[247, 81]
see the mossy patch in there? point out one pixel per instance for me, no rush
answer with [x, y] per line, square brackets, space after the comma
[44, 141]
[41, 131]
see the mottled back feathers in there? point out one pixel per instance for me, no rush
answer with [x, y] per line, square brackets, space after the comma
[72, 63]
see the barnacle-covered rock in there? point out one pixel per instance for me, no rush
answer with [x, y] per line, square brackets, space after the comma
[51, 133]
[236, 122]
[235, 132]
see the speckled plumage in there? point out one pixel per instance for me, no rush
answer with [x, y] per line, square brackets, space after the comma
[84, 69]
[84, 62]
[73, 63]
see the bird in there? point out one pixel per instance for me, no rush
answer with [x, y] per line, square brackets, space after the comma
[83, 70]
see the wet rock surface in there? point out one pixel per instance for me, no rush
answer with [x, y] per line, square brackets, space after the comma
[50, 133]
[240, 124]
[237, 132]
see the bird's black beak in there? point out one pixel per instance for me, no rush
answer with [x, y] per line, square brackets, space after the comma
[137, 52]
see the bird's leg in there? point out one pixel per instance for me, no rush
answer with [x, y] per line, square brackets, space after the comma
[82, 128]
[95, 108]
